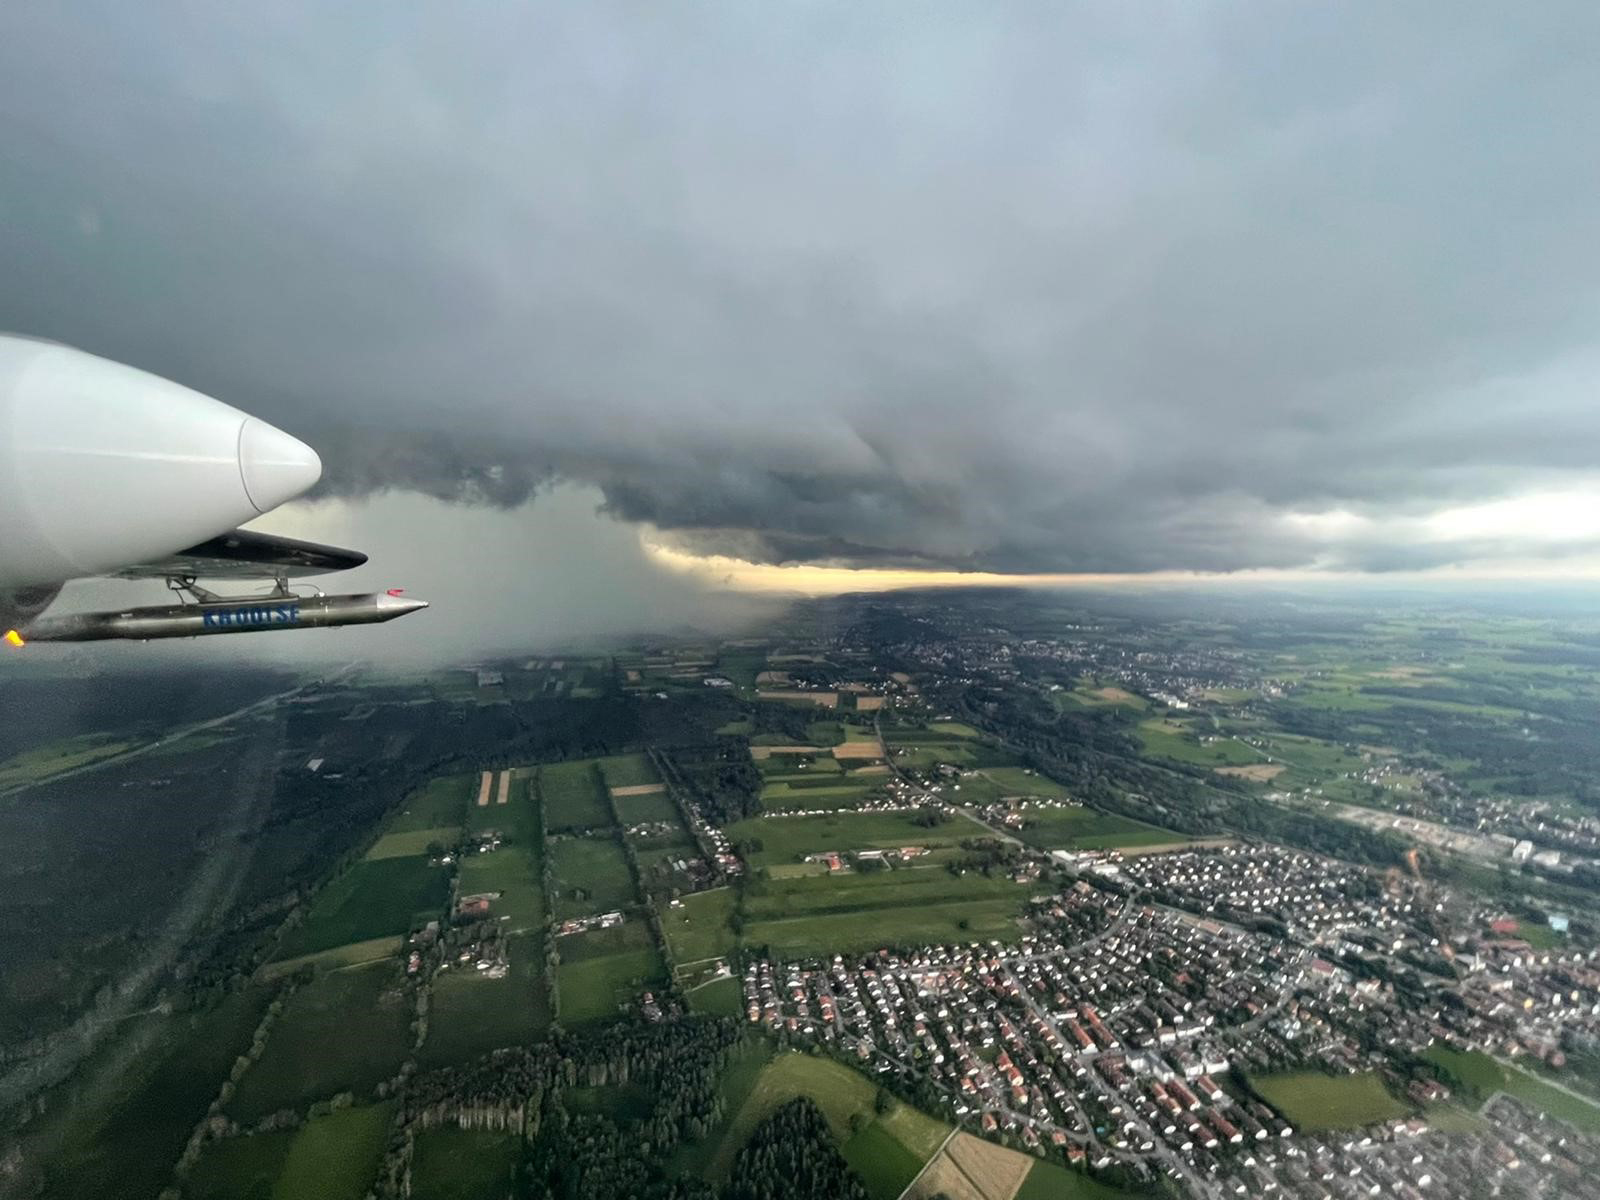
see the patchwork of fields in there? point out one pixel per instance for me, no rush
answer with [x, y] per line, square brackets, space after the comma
[568, 822]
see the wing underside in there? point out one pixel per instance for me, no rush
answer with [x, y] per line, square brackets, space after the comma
[244, 554]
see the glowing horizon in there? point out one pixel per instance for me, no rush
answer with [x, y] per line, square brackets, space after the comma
[812, 580]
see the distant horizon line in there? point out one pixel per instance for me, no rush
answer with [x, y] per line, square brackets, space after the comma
[819, 580]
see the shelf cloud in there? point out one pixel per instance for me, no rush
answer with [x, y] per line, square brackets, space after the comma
[1084, 288]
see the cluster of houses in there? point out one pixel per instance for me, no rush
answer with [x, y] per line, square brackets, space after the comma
[1106, 1032]
[840, 860]
[708, 834]
[610, 920]
[1069, 1039]
[1305, 893]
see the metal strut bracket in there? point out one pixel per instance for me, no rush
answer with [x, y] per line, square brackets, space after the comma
[190, 592]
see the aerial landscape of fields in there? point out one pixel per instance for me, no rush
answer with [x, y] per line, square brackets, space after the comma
[734, 885]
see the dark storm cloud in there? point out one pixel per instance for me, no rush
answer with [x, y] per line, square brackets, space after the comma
[1105, 287]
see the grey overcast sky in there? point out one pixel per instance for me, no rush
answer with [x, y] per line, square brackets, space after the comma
[1032, 287]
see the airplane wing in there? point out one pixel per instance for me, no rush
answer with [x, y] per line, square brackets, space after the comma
[106, 470]
[244, 554]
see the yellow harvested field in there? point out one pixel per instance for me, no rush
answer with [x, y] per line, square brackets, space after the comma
[639, 789]
[768, 677]
[857, 750]
[820, 699]
[1255, 772]
[483, 789]
[869, 703]
[505, 787]
[970, 1168]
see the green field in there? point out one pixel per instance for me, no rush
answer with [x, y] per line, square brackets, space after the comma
[335, 1157]
[370, 900]
[470, 1015]
[790, 839]
[817, 915]
[1481, 1074]
[438, 804]
[1047, 1181]
[589, 876]
[239, 1168]
[310, 1055]
[513, 871]
[572, 797]
[699, 928]
[822, 792]
[593, 984]
[1313, 1102]
[798, 766]
[1087, 829]
[124, 1124]
[841, 1094]
[1539, 936]
[414, 841]
[33, 765]
[1176, 740]
[1019, 781]
[631, 936]
[463, 1164]
[627, 770]
[351, 954]
[885, 1166]
[719, 998]
[636, 810]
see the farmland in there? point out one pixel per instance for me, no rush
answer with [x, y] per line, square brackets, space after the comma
[603, 969]
[412, 842]
[650, 806]
[240, 1168]
[572, 797]
[334, 1157]
[309, 1055]
[463, 1164]
[1087, 829]
[1018, 781]
[123, 1125]
[1046, 1181]
[513, 871]
[699, 927]
[628, 770]
[790, 839]
[590, 876]
[1165, 738]
[470, 1014]
[813, 915]
[372, 899]
[441, 803]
